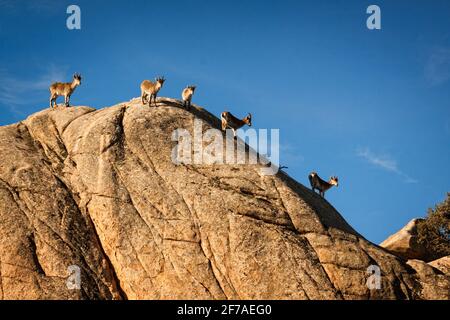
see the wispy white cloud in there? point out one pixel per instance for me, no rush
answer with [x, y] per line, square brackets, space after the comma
[385, 162]
[437, 68]
[17, 92]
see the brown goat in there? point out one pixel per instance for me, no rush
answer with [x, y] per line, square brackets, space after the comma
[230, 121]
[149, 88]
[186, 95]
[321, 185]
[64, 89]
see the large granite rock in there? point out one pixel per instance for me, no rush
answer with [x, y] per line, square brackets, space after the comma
[404, 243]
[97, 189]
[442, 264]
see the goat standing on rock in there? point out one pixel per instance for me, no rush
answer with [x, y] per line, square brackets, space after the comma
[321, 185]
[187, 94]
[149, 88]
[64, 89]
[230, 121]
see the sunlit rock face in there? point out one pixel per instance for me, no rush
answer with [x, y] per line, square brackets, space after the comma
[99, 190]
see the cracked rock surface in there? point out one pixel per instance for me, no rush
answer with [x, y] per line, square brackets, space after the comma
[98, 189]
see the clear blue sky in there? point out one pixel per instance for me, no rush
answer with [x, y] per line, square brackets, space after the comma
[372, 107]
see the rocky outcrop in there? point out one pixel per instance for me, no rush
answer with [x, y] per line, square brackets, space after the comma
[404, 243]
[430, 281]
[442, 264]
[97, 189]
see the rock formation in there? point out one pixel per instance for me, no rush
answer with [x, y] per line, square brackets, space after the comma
[442, 264]
[97, 189]
[404, 243]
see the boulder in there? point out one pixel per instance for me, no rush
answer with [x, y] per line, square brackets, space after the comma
[94, 195]
[404, 243]
[442, 264]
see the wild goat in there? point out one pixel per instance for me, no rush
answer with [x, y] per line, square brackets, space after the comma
[152, 89]
[187, 94]
[64, 89]
[230, 121]
[321, 185]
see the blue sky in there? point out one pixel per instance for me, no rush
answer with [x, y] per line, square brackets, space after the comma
[371, 106]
